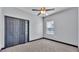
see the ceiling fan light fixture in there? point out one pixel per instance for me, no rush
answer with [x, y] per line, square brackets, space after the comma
[43, 12]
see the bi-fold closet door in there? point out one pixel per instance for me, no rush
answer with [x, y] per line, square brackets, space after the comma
[16, 31]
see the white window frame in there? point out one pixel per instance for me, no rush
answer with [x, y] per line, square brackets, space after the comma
[51, 26]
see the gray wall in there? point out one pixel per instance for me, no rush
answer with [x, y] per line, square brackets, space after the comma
[66, 26]
[35, 22]
[1, 29]
[78, 27]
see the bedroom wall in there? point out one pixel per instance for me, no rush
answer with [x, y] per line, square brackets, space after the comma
[35, 22]
[1, 29]
[78, 27]
[66, 26]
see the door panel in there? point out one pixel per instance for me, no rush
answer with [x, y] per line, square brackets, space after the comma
[9, 32]
[15, 31]
[22, 32]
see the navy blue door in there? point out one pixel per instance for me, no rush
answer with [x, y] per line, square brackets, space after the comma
[9, 24]
[22, 31]
[15, 31]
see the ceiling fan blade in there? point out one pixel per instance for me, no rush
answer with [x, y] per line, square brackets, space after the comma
[35, 10]
[50, 9]
[38, 14]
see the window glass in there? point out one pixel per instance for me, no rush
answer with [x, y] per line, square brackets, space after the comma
[50, 27]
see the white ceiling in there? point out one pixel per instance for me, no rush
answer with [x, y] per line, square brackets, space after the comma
[29, 10]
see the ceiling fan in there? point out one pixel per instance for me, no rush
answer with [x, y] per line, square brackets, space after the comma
[43, 10]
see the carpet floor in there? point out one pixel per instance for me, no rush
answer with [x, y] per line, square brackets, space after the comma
[42, 45]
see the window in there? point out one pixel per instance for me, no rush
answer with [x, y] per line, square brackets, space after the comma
[50, 27]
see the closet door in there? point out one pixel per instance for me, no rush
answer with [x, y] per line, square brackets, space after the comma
[16, 31]
[21, 31]
[9, 29]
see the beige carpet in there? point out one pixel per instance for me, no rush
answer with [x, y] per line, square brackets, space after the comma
[41, 46]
